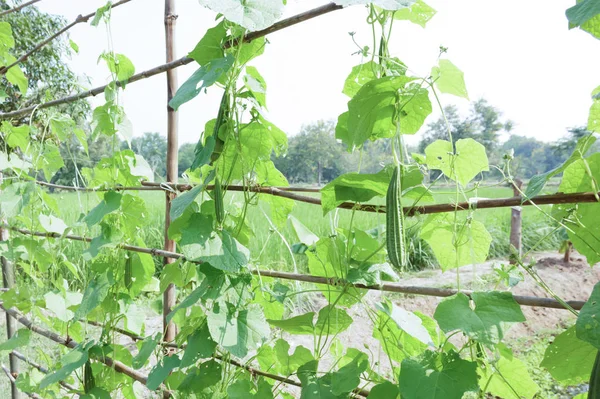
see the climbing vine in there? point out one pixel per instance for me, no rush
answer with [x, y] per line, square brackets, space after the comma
[234, 318]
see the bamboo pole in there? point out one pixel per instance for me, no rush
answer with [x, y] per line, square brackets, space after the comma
[44, 370]
[169, 296]
[174, 64]
[69, 343]
[389, 287]
[80, 19]
[8, 282]
[18, 8]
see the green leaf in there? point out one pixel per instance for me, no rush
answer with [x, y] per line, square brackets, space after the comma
[298, 325]
[210, 48]
[419, 13]
[148, 346]
[332, 321]
[353, 187]
[463, 165]
[70, 362]
[582, 12]
[385, 390]
[406, 321]
[93, 296]
[305, 236]
[415, 107]
[203, 78]
[360, 75]
[161, 371]
[238, 331]
[594, 116]
[328, 260]
[569, 359]
[181, 202]
[437, 376]
[289, 363]
[314, 387]
[74, 46]
[120, 65]
[510, 375]
[16, 76]
[250, 14]
[110, 203]
[220, 249]
[455, 246]
[60, 305]
[390, 5]
[256, 84]
[537, 183]
[100, 13]
[584, 232]
[487, 322]
[199, 346]
[371, 110]
[190, 300]
[588, 325]
[19, 339]
[16, 136]
[449, 79]
[52, 224]
[7, 41]
[201, 377]
[347, 378]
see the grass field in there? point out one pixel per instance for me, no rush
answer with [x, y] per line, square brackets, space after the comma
[270, 246]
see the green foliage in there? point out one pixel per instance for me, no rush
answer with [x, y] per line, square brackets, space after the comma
[228, 314]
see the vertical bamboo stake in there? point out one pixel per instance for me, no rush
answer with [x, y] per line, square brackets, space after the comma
[172, 172]
[515, 222]
[8, 280]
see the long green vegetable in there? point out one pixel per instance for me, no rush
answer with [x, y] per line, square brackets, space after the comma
[396, 246]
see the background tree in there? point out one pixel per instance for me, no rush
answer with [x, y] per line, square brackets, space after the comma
[48, 74]
[313, 155]
[186, 156]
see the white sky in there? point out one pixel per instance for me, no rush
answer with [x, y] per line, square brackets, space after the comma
[517, 54]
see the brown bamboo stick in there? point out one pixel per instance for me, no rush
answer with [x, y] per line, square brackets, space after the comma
[69, 343]
[170, 294]
[389, 287]
[96, 189]
[18, 8]
[8, 282]
[44, 370]
[174, 64]
[80, 18]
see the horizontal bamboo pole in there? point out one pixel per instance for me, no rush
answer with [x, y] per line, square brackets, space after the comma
[389, 287]
[174, 64]
[69, 343]
[44, 370]
[96, 189]
[288, 192]
[80, 19]
[416, 290]
[18, 8]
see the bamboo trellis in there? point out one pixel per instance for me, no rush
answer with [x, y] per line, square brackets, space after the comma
[170, 189]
